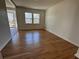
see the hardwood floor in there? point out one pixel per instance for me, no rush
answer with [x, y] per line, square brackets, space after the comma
[38, 44]
[76, 58]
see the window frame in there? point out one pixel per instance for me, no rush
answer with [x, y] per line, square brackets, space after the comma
[32, 18]
[27, 18]
[36, 18]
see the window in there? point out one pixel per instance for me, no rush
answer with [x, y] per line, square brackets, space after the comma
[32, 18]
[11, 19]
[36, 18]
[28, 18]
[10, 16]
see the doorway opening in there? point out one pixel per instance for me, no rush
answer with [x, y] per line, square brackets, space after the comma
[11, 13]
[12, 21]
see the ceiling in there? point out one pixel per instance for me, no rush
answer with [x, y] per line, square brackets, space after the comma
[36, 4]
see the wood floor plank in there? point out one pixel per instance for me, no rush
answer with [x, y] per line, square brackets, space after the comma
[38, 44]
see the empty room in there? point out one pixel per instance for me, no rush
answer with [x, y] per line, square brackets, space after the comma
[39, 29]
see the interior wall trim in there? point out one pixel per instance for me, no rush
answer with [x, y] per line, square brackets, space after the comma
[5, 44]
[62, 37]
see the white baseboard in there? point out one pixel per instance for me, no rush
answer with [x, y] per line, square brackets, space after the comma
[5, 44]
[77, 54]
[62, 37]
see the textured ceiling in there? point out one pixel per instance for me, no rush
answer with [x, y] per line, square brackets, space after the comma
[36, 4]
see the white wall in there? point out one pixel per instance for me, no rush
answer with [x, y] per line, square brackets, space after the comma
[4, 25]
[21, 18]
[62, 19]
